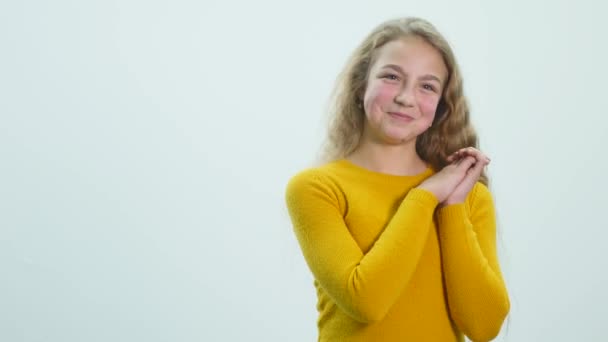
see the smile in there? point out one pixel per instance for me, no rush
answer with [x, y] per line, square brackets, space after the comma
[401, 116]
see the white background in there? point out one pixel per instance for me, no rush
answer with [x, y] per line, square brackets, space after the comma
[145, 147]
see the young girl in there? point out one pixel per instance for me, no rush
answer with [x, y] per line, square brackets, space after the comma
[397, 225]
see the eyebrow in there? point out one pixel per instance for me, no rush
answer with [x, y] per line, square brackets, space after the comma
[425, 77]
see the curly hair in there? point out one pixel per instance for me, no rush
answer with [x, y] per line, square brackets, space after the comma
[451, 128]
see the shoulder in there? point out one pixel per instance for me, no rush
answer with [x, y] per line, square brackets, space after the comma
[309, 179]
[314, 184]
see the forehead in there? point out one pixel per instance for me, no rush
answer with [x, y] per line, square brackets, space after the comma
[413, 55]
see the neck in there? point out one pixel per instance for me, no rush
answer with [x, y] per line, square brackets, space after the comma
[399, 160]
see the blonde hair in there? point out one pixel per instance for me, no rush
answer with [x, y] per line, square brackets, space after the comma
[451, 128]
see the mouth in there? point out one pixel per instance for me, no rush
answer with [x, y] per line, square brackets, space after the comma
[401, 116]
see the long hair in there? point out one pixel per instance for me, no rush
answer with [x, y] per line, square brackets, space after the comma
[451, 128]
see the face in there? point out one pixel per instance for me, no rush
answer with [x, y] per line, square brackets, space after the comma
[403, 90]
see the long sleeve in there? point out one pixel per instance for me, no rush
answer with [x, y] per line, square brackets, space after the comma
[477, 295]
[365, 286]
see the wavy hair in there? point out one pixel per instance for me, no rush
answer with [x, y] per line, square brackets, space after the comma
[451, 128]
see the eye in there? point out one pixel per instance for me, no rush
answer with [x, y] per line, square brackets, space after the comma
[428, 87]
[391, 77]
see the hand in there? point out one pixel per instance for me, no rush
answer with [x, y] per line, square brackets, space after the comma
[472, 175]
[443, 183]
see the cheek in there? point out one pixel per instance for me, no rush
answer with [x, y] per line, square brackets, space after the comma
[379, 95]
[428, 105]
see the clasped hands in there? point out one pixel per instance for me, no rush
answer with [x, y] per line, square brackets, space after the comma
[453, 183]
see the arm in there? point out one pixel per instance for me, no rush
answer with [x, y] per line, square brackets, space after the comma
[477, 295]
[365, 286]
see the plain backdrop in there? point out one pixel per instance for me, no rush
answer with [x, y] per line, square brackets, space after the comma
[145, 147]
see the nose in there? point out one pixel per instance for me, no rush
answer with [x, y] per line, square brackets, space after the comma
[405, 96]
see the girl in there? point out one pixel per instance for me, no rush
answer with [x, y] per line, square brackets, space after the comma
[397, 225]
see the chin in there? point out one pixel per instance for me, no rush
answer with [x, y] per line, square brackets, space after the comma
[399, 136]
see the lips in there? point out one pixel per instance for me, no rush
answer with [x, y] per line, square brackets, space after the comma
[402, 116]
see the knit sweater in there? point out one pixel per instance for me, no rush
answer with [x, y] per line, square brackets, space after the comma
[389, 265]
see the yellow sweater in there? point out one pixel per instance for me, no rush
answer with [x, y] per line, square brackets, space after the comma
[388, 265]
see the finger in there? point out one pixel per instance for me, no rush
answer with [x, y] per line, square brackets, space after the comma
[452, 157]
[461, 153]
[466, 162]
[477, 169]
[473, 174]
[455, 156]
[472, 151]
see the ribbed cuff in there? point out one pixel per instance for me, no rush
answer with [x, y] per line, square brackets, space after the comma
[452, 214]
[422, 196]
